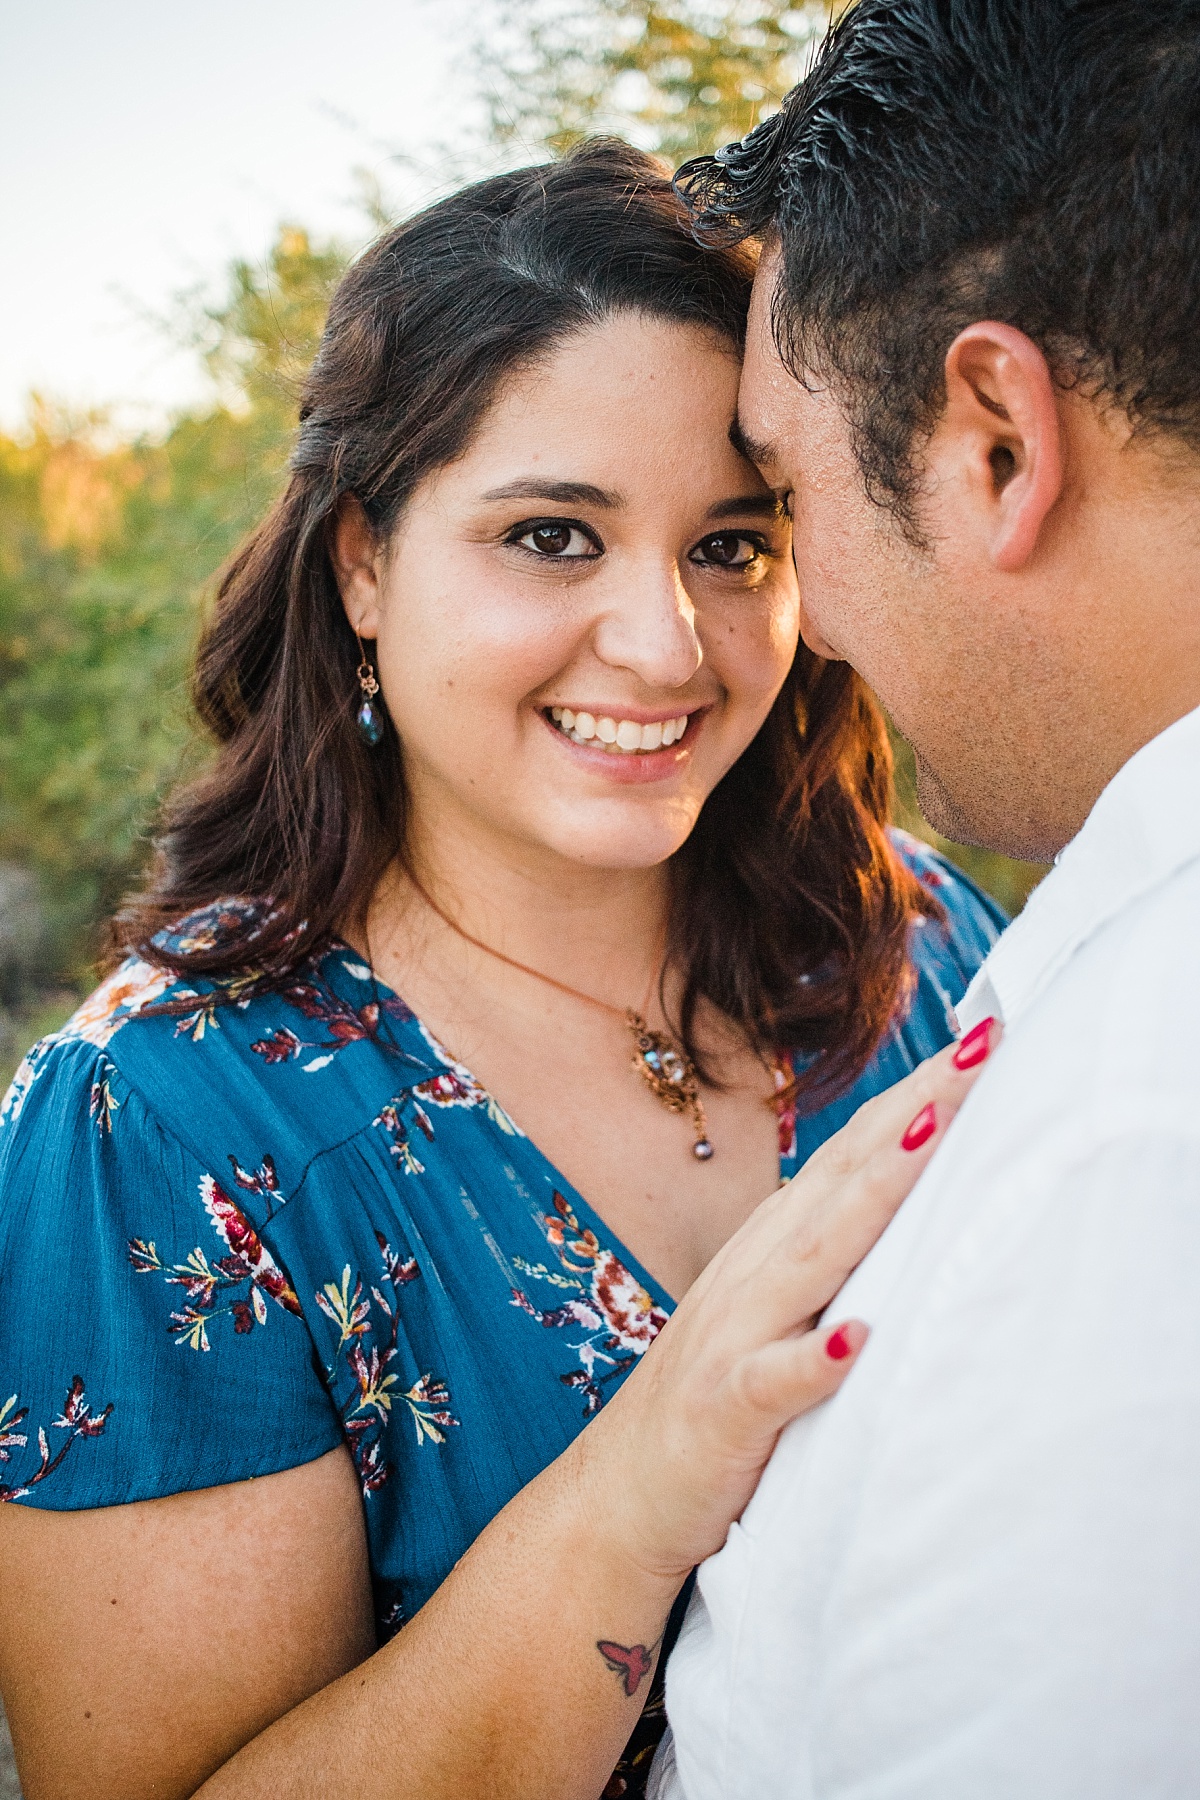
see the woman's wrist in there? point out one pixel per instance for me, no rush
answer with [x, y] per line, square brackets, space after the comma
[617, 1487]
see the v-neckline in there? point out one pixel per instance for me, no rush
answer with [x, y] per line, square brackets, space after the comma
[558, 1181]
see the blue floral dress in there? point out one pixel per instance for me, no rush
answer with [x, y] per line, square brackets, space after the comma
[234, 1239]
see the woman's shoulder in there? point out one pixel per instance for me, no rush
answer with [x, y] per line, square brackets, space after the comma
[235, 1059]
[101, 1204]
[66, 1075]
[144, 1157]
[972, 921]
[945, 952]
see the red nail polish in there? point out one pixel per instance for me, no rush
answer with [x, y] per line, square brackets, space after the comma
[921, 1129]
[975, 1046]
[838, 1346]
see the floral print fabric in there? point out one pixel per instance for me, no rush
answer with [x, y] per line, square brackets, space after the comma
[234, 1237]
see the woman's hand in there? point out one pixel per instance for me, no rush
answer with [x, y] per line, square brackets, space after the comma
[687, 1437]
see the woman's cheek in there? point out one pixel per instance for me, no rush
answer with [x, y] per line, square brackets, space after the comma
[457, 659]
[755, 650]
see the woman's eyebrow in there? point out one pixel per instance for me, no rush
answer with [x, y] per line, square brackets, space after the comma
[758, 505]
[562, 493]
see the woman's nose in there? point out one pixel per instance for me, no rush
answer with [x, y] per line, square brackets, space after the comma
[649, 627]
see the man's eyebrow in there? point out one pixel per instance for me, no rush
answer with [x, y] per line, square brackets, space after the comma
[558, 493]
[740, 506]
[761, 454]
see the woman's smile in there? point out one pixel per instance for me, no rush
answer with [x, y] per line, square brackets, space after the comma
[624, 747]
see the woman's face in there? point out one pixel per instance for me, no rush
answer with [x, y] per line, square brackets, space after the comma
[582, 622]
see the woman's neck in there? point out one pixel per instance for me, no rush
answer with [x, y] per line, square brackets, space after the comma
[597, 930]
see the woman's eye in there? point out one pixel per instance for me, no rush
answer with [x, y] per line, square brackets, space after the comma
[557, 538]
[729, 550]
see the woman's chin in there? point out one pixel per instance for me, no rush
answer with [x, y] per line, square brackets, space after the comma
[629, 837]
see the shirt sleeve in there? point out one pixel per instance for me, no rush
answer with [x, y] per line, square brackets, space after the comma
[150, 1342]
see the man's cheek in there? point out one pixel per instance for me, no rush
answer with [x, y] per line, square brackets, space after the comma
[814, 614]
[824, 556]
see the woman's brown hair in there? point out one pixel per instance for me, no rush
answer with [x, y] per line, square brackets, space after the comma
[790, 910]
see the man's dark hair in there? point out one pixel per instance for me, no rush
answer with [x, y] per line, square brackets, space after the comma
[1036, 162]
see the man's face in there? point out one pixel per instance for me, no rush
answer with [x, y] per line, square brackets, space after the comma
[914, 623]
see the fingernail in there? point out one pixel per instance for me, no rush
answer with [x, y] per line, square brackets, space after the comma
[838, 1346]
[921, 1129]
[975, 1046]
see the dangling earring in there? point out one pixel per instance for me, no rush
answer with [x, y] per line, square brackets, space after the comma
[368, 721]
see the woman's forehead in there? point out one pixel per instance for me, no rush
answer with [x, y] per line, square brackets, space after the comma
[605, 408]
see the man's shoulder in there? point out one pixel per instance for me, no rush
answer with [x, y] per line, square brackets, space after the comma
[1115, 1027]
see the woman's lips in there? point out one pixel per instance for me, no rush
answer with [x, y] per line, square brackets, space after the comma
[623, 764]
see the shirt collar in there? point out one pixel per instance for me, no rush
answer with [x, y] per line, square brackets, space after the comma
[1144, 827]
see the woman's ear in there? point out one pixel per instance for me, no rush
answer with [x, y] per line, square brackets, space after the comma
[355, 553]
[1002, 409]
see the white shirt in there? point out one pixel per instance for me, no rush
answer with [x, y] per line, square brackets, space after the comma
[975, 1573]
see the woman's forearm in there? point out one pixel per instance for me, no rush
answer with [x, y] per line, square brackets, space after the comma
[524, 1675]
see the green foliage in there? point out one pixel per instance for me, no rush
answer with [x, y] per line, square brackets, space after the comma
[259, 343]
[678, 77]
[106, 552]
[18, 1029]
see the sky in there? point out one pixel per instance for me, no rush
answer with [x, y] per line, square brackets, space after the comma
[146, 143]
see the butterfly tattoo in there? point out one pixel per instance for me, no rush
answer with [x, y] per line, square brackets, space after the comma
[632, 1662]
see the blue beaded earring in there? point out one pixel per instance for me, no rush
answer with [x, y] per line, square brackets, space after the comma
[367, 719]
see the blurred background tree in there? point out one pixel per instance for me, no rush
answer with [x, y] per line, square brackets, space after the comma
[108, 547]
[107, 551]
[679, 78]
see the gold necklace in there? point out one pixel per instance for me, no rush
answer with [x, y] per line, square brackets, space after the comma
[663, 1064]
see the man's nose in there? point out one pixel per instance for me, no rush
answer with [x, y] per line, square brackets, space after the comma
[649, 627]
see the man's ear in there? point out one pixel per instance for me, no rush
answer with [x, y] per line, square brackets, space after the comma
[355, 554]
[1002, 413]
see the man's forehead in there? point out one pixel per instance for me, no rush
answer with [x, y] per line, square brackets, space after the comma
[782, 415]
[770, 398]
[773, 412]
[759, 450]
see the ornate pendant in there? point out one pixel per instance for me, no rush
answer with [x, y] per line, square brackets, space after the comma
[671, 1076]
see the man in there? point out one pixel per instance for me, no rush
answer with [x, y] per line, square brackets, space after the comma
[974, 370]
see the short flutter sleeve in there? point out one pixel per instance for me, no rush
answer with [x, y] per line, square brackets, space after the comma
[150, 1342]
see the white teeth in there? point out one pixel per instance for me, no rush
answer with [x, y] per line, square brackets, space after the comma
[620, 737]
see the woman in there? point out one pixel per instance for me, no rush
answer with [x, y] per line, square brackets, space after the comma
[523, 775]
